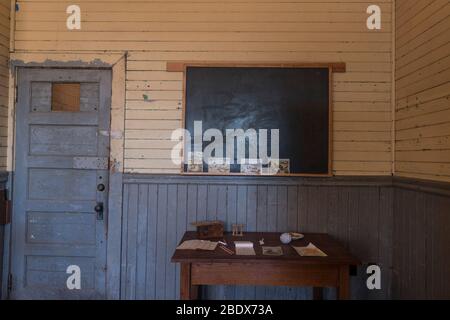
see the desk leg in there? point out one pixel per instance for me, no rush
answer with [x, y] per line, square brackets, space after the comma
[343, 291]
[317, 293]
[187, 290]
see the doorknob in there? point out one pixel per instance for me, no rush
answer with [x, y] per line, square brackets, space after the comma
[99, 209]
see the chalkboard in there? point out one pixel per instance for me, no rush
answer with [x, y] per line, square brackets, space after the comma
[293, 100]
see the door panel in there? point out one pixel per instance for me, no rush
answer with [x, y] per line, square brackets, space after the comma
[63, 140]
[61, 158]
[50, 272]
[60, 227]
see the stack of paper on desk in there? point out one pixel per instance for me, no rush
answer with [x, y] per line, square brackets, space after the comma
[309, 251]
[198, 245]
[244, 248]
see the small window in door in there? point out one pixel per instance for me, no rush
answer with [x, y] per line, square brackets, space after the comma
[66, 97]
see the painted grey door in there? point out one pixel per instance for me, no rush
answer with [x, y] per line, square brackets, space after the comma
[60, 178]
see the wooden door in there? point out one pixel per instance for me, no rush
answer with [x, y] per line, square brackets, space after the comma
[60, 187]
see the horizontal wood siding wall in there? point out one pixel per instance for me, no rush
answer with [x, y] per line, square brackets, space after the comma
[423, 89]
[158, 210]
[4, 79]
[421, 258]
[154, 32]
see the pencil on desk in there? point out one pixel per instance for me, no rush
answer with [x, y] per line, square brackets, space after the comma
[230, 252]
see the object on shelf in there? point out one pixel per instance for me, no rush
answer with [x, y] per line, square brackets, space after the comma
[251, 166]
[285, 166]
[219, 165]
[195, 162]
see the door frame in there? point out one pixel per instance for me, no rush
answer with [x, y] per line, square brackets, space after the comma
[116, 62]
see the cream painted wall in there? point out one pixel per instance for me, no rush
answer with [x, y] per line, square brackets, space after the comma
[154, 32]
[423, 89]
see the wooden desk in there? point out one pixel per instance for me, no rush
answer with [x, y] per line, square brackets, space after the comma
[219, 268]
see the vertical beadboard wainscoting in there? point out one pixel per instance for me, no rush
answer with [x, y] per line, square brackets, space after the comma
[421, 242]
[157, 210]
[3, 181]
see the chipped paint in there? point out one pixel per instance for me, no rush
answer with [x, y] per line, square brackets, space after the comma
[116, 134]
[96, 63]
[66, 60]
[115, 166]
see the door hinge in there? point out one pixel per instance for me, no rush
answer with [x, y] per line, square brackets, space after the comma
[10, 280]
[16, 93]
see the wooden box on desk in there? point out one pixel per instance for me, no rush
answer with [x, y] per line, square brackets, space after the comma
[209, 229]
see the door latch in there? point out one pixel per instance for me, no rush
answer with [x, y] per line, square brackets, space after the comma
[99, 209]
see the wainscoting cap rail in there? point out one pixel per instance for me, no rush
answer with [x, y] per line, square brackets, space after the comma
[440, 188]
[238, 180]
[427, 186]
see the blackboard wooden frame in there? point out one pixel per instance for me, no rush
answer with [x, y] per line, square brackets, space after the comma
[180, 66]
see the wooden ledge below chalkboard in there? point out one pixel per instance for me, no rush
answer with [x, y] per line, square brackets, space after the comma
[257, 175]
[180, 66]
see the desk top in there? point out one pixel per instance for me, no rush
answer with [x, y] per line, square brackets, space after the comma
[336, 253]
